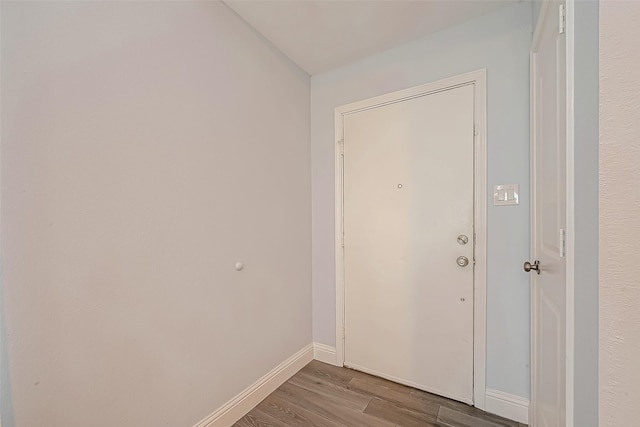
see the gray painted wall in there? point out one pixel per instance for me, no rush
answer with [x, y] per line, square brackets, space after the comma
[536, 5]
[586, 213]
[499, 42]
[146, 147]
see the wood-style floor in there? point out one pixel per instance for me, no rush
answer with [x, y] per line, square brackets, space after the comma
[322, 395]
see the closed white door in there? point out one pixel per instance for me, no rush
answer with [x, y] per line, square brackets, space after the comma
[408, 221]
[548, 282]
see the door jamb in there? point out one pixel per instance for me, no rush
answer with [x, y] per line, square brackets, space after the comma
[478, 79]
[570, 212]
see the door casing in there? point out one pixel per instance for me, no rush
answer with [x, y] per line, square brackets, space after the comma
[478, 79]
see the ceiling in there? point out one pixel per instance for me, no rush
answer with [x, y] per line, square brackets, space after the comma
[322, 34]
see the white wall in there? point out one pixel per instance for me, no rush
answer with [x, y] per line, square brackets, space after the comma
[619, 384]
[499, 42]
[147, 146]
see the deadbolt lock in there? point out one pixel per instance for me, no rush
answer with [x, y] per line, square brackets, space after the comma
[462, 239]
[462, 261]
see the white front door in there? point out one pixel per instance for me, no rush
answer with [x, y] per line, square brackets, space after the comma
[548, 283]
[408, 222]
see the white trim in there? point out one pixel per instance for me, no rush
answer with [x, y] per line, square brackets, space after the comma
[478, 78]
[480, 252]
[570, 213]
[339, 233]
[532, 192]
[507, 405]
[241, 404]
[325, 353]
[2, 398]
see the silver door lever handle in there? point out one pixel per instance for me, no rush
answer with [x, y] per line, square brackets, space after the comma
[535, 266]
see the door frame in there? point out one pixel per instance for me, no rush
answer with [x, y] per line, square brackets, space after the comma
[570, 205]
[478, 79]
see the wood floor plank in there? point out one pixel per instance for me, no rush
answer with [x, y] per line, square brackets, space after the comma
[257, 418]
[285, 394]
[450, 417]
[322, 395]
[399, 415]
[332, 409]
[463, 407]
[335, 374]
[329, 390]
[392, 395]
[292, 414]
[293, 388]
[241, 423]
[435, 400]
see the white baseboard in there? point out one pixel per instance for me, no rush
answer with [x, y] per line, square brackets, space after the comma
[507, 405]
[244, 402]
[325, 353]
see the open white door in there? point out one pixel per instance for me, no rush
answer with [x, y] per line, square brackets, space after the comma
[548, 222]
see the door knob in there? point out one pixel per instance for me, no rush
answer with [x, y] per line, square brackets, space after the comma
[535, 266]
[462, 261]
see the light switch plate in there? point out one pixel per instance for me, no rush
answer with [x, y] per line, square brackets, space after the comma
[505, 195]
